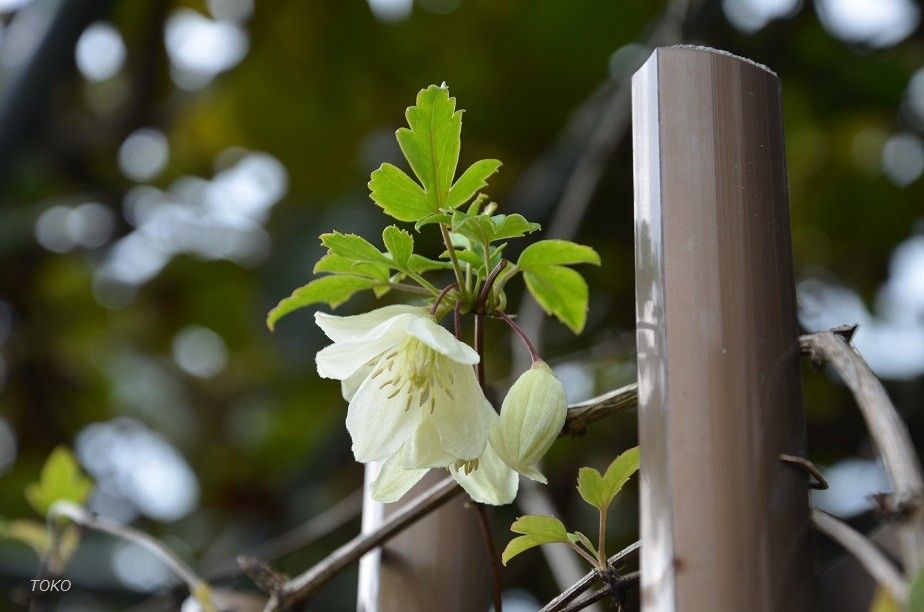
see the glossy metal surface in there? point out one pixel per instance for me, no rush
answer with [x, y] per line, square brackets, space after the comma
[439, 563]
[725, 524]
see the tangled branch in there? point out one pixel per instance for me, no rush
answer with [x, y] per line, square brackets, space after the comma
[297, 589]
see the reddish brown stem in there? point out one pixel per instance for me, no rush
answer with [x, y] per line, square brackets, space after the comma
[522, 334]
[488, 284]
[442, 294]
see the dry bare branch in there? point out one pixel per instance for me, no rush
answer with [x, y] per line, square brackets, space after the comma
[562, 602]
[887, 430]
[865, 552]
[301, 586]
[298, 588]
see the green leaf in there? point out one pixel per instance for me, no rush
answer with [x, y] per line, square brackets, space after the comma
[419, 264]
[556, 252]
[546, 528]
[597, 489]
[432, 218]
[561, 292]
[536, 530]
[916, 594]
[399, 244]
[618, 473]
[353, 247]
[332, 290]
[60, 480]
[474, 179]
[337, 264]
[31, 533]
[478, 229]
[432, 141]
[590, 486]
[398, 195]
[512, 226]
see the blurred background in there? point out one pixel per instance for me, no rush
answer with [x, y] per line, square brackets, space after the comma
[165, 170]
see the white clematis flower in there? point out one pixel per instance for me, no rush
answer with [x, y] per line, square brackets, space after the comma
[411, 388]
[531, 418]
[487, 480]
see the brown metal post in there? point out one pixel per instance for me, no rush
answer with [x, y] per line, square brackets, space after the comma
[439, 563]
[725, 524]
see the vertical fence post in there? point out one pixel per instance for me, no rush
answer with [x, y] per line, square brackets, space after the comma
[438, 563]
[725, 524]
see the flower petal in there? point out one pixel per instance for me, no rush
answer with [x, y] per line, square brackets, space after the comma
[393, 481]
[424, 449]
[340, 328]
[461, 414]
[349, 385]
[341, 360]
[440, 340]
[491, 483]
[379, 424]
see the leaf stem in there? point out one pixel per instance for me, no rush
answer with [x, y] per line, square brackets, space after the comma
[441, 296]
[601, 540]
[488, 284]
[198, 587]
[408, 288]
[423, 283]
[522, 334]
[452, 255]
[583, 553]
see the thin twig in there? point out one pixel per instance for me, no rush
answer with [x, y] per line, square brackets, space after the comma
[80, 516]
[582, 414]
[338, 515]
[888, 432]
[865, 552]
[621, 584]
[299, 587]
[560, 603]
[493, 557]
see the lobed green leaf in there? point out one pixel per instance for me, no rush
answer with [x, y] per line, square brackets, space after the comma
[597, 489]
[419, 264]
[561, 292]
[353, 247]
[474, 179]
[591, 487]
[399, 244]
[60, 480]
[431, 142]
[398, 195]
[536, 529]
[556, 252]
[332, 290]
[337, 264]
[618, 473]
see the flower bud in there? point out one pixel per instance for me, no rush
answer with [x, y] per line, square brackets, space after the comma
[531, 418]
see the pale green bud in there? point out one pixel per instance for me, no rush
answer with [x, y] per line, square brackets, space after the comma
[531, 418]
